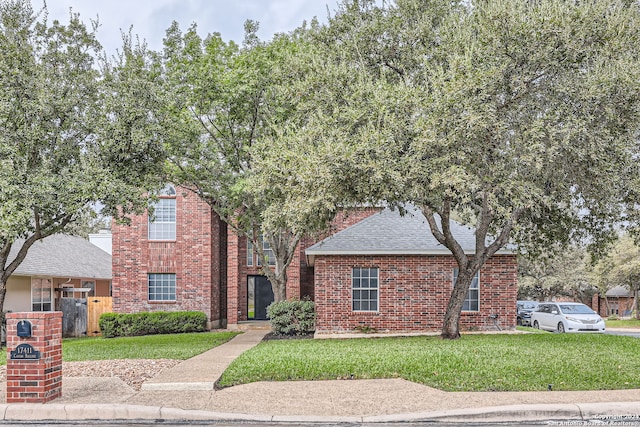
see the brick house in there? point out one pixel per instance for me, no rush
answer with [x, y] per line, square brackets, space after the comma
[619, 302]
[184, 257]
[388, 273]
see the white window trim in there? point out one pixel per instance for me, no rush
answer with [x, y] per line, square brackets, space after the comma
[175, 287]
[377, 289]
[154, 220]
[50, 301]
[471, 288]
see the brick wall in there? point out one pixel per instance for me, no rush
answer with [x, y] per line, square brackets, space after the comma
[413, 293]
[195, 257]
[299, 275]
[39, 380]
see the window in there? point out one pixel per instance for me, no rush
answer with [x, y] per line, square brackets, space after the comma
[268, 253]
[162, 224]
[162, 287]
[250, 253]
[89, 284]
[41, 294]
[364, 289]
[472, 302]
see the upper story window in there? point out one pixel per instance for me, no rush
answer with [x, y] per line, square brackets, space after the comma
[472, 301]
[162, 223]
[252, 254]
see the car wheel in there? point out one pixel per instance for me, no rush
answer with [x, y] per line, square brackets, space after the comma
[561, 327]
[519, 321]
[536, 325]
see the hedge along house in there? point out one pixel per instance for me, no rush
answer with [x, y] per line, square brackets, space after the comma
[388, 273]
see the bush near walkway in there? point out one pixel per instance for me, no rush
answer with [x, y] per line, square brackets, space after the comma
[293, 317]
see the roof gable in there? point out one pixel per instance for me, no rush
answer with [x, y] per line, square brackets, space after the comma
[62, 255]
[389, 233]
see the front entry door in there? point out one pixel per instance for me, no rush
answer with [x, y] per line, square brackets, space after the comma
[260, 296]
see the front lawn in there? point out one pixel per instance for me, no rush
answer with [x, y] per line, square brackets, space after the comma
[504, 362]
[175, 346]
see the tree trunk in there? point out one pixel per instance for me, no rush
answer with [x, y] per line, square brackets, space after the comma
[451, 324]
[3, 293]
[279, 285]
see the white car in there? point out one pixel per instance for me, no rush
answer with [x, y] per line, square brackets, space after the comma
[566, 317]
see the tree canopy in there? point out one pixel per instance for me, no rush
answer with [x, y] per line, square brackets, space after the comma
[232, 107]
[518, 118]
[65, 145]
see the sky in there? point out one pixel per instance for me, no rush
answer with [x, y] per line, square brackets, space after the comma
[150, 18]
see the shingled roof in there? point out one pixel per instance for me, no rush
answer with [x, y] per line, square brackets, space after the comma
[63, 256]
[389, 233]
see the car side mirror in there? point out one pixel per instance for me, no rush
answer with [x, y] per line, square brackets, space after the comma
[554, 311]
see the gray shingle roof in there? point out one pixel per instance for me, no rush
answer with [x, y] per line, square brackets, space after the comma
[389, 233]
[63, 256]
[619, 291]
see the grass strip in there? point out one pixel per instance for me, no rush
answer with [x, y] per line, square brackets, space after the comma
[170, 346]
[175, 346]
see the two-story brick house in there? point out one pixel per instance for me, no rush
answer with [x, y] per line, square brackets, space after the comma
[184, 257]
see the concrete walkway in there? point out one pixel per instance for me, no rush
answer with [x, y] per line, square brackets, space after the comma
[186, 392]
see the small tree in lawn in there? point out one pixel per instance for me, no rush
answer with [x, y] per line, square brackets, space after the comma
[518, 118]
[63, 147]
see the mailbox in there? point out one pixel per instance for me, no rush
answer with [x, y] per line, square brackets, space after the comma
[24, 328]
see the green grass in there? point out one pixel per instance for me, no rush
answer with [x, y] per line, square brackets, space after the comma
[627, 323]
[177, 346]
[504, 362]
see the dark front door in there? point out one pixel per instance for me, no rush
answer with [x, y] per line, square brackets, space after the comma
[260, 295]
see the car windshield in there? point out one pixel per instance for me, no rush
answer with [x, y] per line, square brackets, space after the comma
[528, 305]
[576, 309]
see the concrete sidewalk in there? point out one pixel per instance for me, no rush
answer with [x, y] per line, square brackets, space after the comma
[186, 392]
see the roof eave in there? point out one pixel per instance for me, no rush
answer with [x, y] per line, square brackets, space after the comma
[312, 254]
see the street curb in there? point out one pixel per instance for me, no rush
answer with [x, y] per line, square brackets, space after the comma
[513, 413]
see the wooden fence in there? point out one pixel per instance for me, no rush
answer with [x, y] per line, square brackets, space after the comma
[95, 307]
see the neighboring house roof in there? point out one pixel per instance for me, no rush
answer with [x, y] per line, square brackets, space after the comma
[61, 255]
[618, 291]
[389, 233]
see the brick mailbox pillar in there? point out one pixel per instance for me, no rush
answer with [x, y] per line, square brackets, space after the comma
[34, 356]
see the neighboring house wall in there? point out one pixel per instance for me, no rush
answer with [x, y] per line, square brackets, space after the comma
[621, 306]
[413, 293]
[194, 258]
[18, 296]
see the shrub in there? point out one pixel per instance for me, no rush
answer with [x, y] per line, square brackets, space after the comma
[150, 323]
[292, 317]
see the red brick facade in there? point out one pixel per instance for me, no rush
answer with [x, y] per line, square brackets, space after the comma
[413, 293]
[197, 257]
[299, 274]
[38, 380]
[212, 273]
[619, 306]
